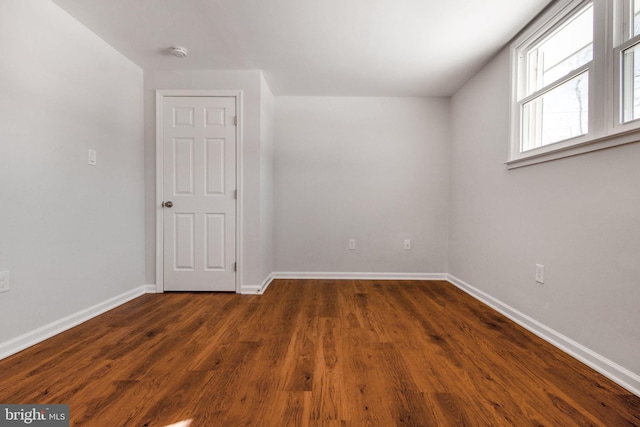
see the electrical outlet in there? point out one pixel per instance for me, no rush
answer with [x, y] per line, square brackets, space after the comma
[539, 273]
[5, 284]
[92, 157]
[352, 244]
[407, 245]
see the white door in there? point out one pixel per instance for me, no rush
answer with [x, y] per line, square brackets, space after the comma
[199, 208]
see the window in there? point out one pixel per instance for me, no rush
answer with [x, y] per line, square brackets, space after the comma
[576, 80]
[629, 53]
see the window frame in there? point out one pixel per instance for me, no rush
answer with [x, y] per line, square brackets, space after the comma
[605, 126]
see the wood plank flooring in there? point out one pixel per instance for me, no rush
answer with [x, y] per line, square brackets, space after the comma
[313, 353]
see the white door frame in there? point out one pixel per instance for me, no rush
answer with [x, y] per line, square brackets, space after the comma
[160, 95]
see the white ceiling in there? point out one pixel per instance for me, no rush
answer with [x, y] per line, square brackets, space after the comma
[316, 47]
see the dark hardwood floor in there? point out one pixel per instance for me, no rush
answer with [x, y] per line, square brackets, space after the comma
[313, 353]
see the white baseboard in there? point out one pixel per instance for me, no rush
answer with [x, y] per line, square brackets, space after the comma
[36, 336]
[358, 276]
[266, 283]
[257, 290]
[150, 289]
[608, 368]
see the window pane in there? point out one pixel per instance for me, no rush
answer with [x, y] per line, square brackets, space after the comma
[636, 17]
[558, 114]
[631, 83]
[632, 19]
[566, 49]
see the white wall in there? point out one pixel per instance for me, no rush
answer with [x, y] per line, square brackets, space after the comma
[372, 169]
[267, 141]
[250, 83]
[579, 216]
[71, 234]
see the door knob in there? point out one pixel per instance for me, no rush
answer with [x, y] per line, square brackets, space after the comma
[167, 204]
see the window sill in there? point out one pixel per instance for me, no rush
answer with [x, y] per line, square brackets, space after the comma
[596, 144]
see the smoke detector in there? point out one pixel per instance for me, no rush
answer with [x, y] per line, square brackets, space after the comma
[179, 52]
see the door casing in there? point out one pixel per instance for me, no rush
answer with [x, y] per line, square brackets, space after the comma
[160, 95]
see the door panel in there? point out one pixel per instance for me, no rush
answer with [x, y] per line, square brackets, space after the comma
[215, 235]
[199, 143]
[215, 166]
[184, 230]
[183, 170]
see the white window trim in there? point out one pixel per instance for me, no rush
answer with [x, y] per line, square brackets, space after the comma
[605, 128]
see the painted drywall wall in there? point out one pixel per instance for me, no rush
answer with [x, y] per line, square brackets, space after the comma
[370, 169]
[70, 234]
[578, 216]
[249, 82]
[267, 141]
